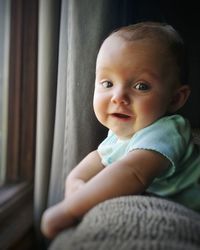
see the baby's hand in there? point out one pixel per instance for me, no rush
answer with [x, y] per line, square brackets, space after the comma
[55, 219]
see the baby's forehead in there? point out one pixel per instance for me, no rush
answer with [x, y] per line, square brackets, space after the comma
[123, 43]
[116, 42]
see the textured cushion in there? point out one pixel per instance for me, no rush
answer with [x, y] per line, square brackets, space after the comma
[133, 222]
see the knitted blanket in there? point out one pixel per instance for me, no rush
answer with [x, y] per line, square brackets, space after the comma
[134, 223]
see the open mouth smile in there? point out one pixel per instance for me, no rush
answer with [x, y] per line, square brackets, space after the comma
[120, 116]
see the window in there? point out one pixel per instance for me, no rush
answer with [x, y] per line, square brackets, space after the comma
[22, 91]
[4, 64]
[18, 87]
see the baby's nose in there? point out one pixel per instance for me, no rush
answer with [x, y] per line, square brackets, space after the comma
[120, 97]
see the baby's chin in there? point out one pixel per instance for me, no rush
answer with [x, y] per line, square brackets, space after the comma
[125, 135]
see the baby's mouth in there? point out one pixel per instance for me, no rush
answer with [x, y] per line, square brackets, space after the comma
[121, 116]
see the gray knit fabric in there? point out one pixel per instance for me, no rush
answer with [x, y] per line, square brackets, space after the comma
[134, 223]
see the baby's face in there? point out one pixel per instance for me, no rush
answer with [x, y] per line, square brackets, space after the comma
[133, 87]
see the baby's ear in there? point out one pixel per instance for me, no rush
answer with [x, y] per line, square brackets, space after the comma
[179, 98]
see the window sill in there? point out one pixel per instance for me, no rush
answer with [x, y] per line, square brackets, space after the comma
[16, 213]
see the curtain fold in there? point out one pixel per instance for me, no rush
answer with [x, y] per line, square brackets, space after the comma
[46, 100]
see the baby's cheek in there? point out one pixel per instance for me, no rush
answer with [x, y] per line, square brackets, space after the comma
[97, 104]
[100, 111]
[146, 108]
[151, 111]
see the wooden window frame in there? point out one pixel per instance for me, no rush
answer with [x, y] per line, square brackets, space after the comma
[16, 195]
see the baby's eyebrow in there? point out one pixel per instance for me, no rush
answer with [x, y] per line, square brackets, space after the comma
[150, 73]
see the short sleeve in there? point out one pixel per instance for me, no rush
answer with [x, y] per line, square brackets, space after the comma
[168, 136]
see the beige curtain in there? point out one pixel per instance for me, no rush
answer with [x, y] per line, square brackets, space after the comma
[46, 100]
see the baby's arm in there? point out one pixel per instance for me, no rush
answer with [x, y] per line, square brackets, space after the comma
[56, 218]
[131, 175]
[84, 171]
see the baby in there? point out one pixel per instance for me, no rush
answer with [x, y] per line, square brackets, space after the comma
[138, 89]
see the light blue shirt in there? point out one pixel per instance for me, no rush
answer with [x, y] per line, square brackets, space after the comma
[171, 137]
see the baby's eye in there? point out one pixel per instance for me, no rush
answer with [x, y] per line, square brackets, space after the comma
[142, 86]
[107, 84]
